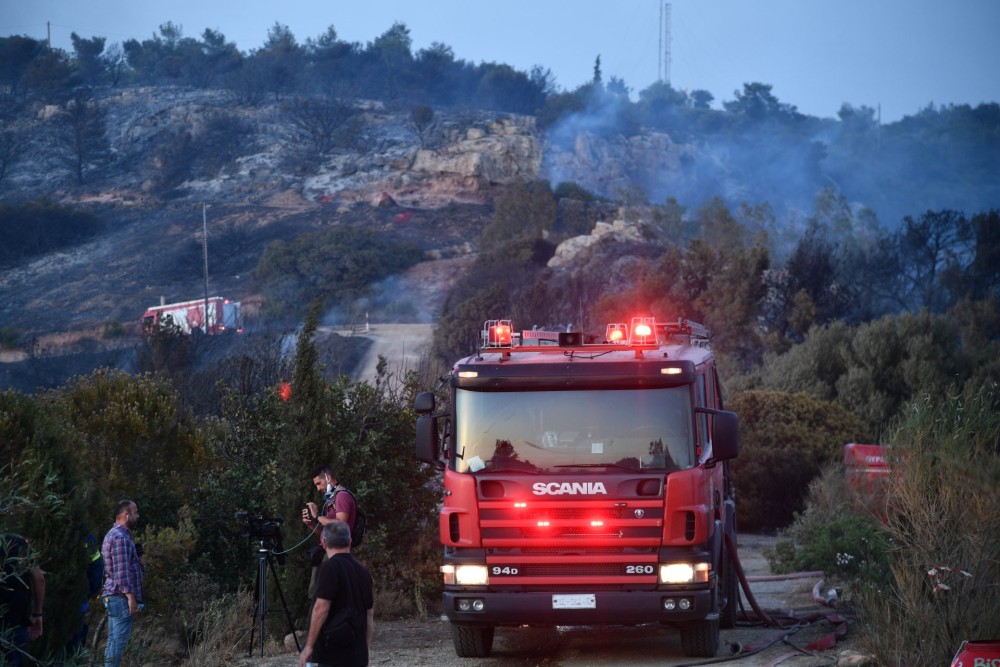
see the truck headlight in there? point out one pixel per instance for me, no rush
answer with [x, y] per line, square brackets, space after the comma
[684, 573]
[465, 575]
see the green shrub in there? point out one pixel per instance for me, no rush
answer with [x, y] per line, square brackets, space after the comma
[786, 440]
[10, 338]
[336, 265]
[836, 533]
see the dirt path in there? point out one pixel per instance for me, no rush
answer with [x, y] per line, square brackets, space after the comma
[402, 345]
[428, 643]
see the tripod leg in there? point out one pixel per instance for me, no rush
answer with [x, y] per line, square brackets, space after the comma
[262, 594]
[288, 615]
[256, 603]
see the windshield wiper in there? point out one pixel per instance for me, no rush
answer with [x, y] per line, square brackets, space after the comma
[597, 465]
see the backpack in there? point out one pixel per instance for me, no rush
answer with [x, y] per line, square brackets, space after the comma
[360, 520]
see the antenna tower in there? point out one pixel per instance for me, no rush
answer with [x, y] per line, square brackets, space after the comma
[665, 55]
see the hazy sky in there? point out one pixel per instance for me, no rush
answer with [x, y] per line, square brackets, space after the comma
[897, 54]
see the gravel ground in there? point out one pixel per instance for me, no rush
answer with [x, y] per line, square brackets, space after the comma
[428, 643]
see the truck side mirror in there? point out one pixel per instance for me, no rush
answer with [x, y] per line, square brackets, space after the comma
[427, 441]
[424, 402]
[725, 436]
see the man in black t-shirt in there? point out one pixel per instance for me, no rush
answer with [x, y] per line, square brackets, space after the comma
[342, 583]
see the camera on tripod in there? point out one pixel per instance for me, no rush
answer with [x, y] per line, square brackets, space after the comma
[265, 528]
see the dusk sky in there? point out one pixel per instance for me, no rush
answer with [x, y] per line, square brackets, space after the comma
[896, 55]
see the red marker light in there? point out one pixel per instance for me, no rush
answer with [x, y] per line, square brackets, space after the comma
[285, 391]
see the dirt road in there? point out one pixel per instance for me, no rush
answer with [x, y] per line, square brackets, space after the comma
[403, 346]
[428, 643]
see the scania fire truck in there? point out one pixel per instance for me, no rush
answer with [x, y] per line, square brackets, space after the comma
[586, 482]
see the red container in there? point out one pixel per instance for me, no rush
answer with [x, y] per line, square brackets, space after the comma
[867, 475]
[985, 653]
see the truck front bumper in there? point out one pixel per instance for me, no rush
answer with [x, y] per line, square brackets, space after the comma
[599, 608]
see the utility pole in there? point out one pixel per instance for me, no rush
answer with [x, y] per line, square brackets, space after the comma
[48, 28]
[204, 254]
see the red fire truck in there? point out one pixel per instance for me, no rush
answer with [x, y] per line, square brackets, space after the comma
[212, 315]
[585, 483]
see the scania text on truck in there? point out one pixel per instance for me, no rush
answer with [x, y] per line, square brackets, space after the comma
[585, 483]
[213, 315]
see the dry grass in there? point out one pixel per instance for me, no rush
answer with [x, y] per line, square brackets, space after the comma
[222, 630]
[944, 518]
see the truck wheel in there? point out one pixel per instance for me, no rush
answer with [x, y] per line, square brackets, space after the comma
[700, 639]
[475, 642]
[730, 584]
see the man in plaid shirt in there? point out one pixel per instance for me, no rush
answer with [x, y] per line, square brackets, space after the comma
[122, 589]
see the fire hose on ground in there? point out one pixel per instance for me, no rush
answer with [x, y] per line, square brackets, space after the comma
[788, 624]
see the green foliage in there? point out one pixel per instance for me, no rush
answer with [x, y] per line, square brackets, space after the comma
[242, 473]
[524, 209]
[46, 498]
[167, 550]
[165, 350]
[10, 338]
[785, 441]
[137, 441]
[838, 533]
[944, 513]
[875, 368]
[336, 266]
[39, 227]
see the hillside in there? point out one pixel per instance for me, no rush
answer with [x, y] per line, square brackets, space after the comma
[177, 160]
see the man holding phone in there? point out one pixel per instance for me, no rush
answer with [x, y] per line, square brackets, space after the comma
[339, 506]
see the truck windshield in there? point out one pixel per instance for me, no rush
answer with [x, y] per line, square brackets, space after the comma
[545, 431]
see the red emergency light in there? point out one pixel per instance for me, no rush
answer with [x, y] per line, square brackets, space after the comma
[643, 331]
[617, 333]
[498, 333]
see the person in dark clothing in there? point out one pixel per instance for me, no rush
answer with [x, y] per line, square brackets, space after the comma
[22, 596]
[342, 583]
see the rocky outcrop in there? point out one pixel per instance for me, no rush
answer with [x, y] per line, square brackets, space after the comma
[615, 231]
[652, 161]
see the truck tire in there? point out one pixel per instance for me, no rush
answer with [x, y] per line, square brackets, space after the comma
[472, 641]
[700, 639]
[730, 589]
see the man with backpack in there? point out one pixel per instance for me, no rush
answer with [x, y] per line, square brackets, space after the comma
[336, 503]
[22, 595]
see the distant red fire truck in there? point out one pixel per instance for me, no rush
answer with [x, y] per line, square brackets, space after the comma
[585, 483]
[213, 315]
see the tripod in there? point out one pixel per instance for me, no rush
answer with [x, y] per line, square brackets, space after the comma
[265, 560]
